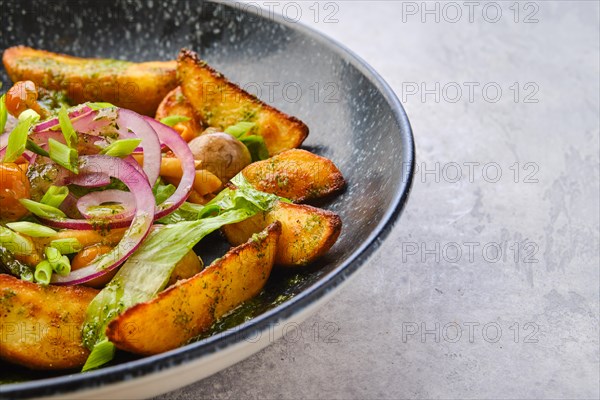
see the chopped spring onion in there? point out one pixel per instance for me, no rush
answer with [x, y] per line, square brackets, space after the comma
[29, 114]
[99, 105]
[3, 113]
[63, 155]
[55, 196]
[121, 148]
[67, 245]
[173, 120]
[31, 229]
[14, 242]
[63, 267]
[162, 191]
[17, 140]
[67, 127]
[240, 129]
[104, 351]
[256, 146]
[42, 210]
[59, 263]
[255, 143]
[33, 147]
[43, 272]
[52, 255]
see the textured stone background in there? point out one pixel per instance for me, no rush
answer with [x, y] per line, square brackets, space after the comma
[510, 262]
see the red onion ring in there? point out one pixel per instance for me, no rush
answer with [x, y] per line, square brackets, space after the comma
[69, 206]
[134, 164]
[137, 232]
[89, 180]
[65, 177]
[129, 120]
[154, 135]
[126, 199]
[169, 137]
[126, 122]
[88, 123]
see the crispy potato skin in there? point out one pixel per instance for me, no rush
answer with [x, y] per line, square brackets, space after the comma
[175, 103]
[137, 86]
[191, 306]
[221, 103]
[307, 232]
[41, 326]
[297, 175]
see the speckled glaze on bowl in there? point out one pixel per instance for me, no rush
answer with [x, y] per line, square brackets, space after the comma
[354, 118]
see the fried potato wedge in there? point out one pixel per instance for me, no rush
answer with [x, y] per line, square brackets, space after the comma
[137, 86]
[41, 325]
[296, 174]
[307, 232]
[175, 103]
[220, 103]
[191, 306]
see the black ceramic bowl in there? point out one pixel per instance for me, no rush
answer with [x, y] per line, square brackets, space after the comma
[354, 118]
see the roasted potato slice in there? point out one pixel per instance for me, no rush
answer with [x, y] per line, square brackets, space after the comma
[175, 103]
[307, 232]
[220, 103]
[41, 325]
[187, 267]
[137, 86]
[191, 306]
[298, 175]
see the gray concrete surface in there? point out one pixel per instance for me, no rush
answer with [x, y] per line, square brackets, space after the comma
[489, 285]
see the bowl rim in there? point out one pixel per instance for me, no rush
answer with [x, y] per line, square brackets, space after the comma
[71, 383]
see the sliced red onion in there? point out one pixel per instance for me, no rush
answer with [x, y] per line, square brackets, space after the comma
[127, 124]
[89, 180]
[169, 137]
[87, 145]
[139, 228]
[29, 156]
[100, 122]
[129, 120]
[4, 140]
[94, 199]
[104, 122]
[69, 206]
[73, 114]
[133, 162]
[154, 135]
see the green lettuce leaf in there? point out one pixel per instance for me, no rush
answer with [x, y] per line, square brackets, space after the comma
[162, 191]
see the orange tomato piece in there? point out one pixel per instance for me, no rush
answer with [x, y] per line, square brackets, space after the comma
[86, 256]
[14, 185]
